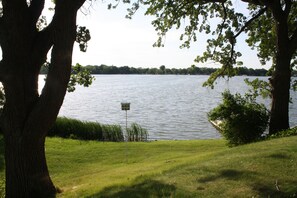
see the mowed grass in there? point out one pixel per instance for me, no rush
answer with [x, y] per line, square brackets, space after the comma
[196, 168]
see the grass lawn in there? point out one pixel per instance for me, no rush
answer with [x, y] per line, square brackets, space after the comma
[196, 168]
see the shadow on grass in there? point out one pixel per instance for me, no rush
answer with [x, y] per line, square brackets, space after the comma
[262, 189]
[145, 189]
[225, 174]
[279, 156]
[273, 191]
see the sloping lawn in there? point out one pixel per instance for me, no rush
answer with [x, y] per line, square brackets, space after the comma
[196, 168]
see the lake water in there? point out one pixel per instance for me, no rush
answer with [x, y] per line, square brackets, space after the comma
[168, 106]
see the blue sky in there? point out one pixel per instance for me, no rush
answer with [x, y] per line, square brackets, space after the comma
[122, 42]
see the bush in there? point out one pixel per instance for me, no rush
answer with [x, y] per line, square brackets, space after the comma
[136, 133]
[243, 120]
[76, 129]
[284, 133]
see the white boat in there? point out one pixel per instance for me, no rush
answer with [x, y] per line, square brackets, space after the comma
[217, 124]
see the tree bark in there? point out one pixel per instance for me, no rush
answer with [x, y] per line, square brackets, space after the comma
[26, 170]
[279, 119]
[27, 116]
[281, 79]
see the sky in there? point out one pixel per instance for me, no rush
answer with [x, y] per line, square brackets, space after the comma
[118, 41]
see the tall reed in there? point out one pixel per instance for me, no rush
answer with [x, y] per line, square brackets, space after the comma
[112, 133]
[135, 133]
[76, 129]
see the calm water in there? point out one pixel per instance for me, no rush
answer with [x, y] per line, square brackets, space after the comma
[169, 107]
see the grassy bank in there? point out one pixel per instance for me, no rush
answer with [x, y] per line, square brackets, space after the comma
[201, 168]
[198, 168]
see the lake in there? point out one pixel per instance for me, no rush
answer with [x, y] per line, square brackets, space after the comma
[168, 106]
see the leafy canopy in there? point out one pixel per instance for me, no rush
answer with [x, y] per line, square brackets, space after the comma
[224, 21]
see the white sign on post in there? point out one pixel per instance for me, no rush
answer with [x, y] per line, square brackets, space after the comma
[126, 107]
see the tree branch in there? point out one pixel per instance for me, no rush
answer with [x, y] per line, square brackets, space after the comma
[11, 7]
[42, 45]
[288, 7]
[73, 4]
[224, 19]
[293, 41]
[2, 73]
[44, 40]
[1, 30]
[255, 2]
[222, 24]
[212, 1]
[233, 39]
[262, 11]
[204, 1]
[35, 10]
[62, 33]
[277, 11]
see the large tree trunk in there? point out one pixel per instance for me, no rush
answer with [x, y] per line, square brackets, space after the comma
[26, 170]
[27, 116]
[279, 119]
[281, 78]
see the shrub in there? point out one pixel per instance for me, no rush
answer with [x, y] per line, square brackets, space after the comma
[136, 133]
[76, 129]
[284, 133]
[243, 120]
[2, 188]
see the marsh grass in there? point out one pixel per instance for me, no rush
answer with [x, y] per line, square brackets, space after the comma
[112, 133]
[76, 129]
[135, 133]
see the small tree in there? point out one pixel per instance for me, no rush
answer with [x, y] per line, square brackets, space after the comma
[243, 120]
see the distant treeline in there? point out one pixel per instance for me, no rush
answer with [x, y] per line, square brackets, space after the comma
[193, 70]
[162, 70]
